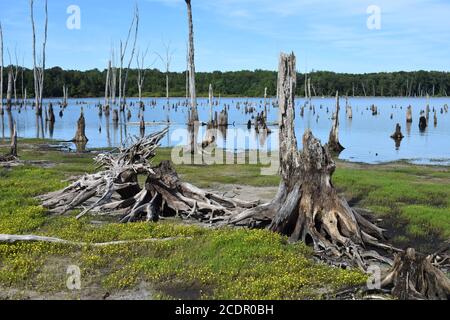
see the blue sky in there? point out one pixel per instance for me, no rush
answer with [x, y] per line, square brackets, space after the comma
[244, 34]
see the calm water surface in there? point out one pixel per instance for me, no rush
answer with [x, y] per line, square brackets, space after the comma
[365, 137]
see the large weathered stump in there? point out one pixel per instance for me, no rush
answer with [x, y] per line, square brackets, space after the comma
[307, 206]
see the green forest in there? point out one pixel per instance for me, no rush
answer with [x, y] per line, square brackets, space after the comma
[91, 83]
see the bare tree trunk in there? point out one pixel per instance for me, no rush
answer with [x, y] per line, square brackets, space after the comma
[333, 142]
[15, 72]
[51, 114]
[107, 83]
[192, 91]
[1, 70]
[187, 74]
[9, 91]
[39, 71]
[23, 93]
[13, 150]
[35, 76]
[210, 103]
[167, 61]
[113, 83]
[131, 57]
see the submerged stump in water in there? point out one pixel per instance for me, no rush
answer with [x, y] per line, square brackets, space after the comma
[397, 135]
[80, 135]
[333, 142]
[409, 118]
[423, 123]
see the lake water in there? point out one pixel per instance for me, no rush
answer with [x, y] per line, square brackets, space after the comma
[365, 137]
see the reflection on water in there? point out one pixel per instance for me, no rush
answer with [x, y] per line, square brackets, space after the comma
[366, 134]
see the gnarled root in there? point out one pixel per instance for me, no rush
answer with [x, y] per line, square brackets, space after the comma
[165, 195]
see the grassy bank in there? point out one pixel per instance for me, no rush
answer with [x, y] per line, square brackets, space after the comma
[199, 262]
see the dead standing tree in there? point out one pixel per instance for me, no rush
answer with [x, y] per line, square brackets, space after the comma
[333, 142]
[38, 71]
[15, 72]
[166, 61]
[1, 69]
[193, 115]
[307, 206]
[123, 50]
[141, 71]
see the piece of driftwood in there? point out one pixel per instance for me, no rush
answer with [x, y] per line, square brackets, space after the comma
[116, 189]
[39, 71]
[1, 70]
[9, 238]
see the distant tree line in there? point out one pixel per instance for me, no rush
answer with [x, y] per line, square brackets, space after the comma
[91, 83]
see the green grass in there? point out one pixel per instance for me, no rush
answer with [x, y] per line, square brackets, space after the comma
[201, 263]
[420, 195]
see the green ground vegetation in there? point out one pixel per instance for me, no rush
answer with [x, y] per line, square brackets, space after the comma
[199, 262]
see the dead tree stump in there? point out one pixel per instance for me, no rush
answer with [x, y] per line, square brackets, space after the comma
[397, 135]
[409, 118]
[50, 114]
[80, 135]
[307, 206]
[413, 276]
[423, 123]
[333, 142]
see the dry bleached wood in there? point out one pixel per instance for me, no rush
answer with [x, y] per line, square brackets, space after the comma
[8, 238]
[116, 189]
[193, 115]
[38, 71]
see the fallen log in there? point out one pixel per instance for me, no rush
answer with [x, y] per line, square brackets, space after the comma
[10, 239]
